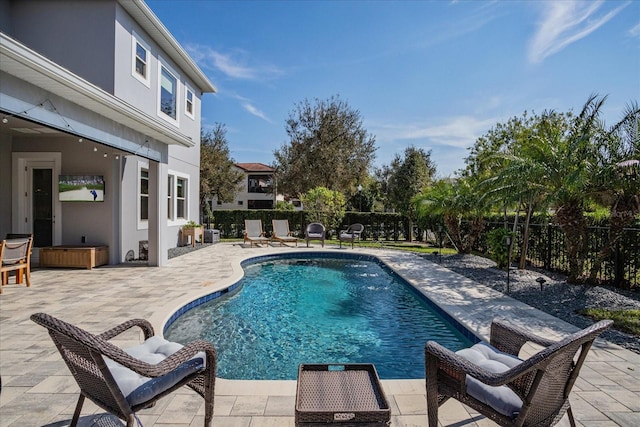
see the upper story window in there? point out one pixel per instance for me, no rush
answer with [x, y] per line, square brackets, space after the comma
[140, 60]
[189, 102]
[259, 184]
[168, 94]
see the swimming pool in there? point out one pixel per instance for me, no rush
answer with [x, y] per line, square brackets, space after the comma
[318, 308]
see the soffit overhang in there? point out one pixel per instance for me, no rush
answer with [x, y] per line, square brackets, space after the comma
[28, 65]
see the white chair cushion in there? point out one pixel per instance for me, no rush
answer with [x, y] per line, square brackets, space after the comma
[139, 389]
[502, 399]
[317, 235]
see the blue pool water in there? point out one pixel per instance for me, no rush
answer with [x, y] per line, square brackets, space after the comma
[318, 310]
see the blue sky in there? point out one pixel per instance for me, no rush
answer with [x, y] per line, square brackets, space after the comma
[434, 75]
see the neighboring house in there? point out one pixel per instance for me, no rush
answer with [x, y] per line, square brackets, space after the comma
[100, 89]
[257, 192]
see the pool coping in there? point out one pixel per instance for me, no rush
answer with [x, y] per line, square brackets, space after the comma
[450, 291]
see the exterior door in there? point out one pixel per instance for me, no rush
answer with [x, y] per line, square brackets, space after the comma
[42, 214]
[36, 208]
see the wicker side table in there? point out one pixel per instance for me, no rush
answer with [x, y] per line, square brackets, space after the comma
[340, 395]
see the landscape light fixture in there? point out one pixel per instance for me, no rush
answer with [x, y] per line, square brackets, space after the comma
[541, 281]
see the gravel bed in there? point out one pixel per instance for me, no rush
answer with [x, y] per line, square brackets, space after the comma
[557, 297]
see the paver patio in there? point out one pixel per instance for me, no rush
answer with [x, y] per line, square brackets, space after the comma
[37, 389]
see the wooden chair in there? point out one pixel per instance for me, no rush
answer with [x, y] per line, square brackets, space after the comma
[351, 234]
[491, 379]
[253, 232]
[15, 255]
[281, 232]
[125, 381]
[315, 231]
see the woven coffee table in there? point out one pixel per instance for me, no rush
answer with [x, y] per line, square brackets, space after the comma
[341, 395]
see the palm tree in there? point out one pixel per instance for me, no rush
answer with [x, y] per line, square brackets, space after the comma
[454, 201]
[618, 183]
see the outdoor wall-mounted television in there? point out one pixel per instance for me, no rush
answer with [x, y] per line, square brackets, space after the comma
[81, 188]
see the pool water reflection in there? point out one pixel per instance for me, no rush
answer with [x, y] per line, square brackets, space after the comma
[318, 310]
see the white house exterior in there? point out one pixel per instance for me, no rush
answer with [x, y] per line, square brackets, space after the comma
[97, 88]
[257, 191]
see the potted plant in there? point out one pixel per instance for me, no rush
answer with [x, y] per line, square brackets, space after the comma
[192, 229]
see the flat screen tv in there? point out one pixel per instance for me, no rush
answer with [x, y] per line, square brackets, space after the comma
[81, 188]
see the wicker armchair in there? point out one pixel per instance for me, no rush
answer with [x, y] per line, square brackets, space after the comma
[505, 389]
[315, 231]
[125, 381]
[351, 234]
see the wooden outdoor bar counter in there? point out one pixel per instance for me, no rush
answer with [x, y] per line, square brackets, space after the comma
[74, 256]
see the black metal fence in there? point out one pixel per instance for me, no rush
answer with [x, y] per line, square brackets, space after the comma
[547, 250]
[546, 241]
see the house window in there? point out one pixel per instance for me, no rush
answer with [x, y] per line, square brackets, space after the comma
[170, 197]
[181, 198]
[219, 202]
[168, 92]
[259, 184]
[188, 106]
[177, 192]
[144, 195]
[240, 203]
[140, 60]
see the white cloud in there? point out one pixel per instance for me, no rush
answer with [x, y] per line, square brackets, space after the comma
[635, 31]
[253, 110]
[566, 22]
[232, 65]
[459, 132]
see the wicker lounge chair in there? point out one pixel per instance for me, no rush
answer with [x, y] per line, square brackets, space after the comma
[253, 232]
[15, 255]
[315, 231]
[281, 232]
[351, 234]
[125, 381]
[492, 380]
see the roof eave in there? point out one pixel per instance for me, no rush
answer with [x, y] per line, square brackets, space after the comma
[144, 16]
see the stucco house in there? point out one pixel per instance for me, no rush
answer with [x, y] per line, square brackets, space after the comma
[97, 91]
[257, 192]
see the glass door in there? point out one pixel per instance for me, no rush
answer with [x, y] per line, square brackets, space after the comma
[42, 206]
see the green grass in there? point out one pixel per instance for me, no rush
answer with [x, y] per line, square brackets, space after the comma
[623, 320]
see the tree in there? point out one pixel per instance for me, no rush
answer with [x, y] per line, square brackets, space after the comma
[405, 178]
[327, 147]
[455, 201]
[618, 180]
[324, 206]
[218, 177]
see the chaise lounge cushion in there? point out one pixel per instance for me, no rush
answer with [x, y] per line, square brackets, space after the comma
[139, 389]
[502, 399]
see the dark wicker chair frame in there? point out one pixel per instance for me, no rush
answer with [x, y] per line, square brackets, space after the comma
[84, 354]
[351, 234]
[313, 229]
[543, 381]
